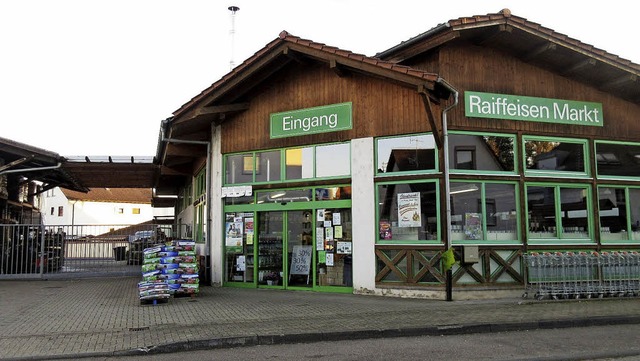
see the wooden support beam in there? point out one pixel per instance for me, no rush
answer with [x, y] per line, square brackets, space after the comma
[337, 68]
[536, 52]
[620, 81]
[579, 66]
[437, 131]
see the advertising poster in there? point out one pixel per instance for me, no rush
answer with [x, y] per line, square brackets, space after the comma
[234, 234]
[409, 210]
[343, 248]
[337, 220]
[319, 239]
[337, 232]
[248, 229]
[329, 259]
[385, 230]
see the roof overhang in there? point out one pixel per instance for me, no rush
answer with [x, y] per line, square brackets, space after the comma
[533, 44]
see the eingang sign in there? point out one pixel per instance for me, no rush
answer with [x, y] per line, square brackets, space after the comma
[329, 118]
[514, 107]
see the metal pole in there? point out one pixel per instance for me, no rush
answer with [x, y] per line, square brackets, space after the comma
[447, 194]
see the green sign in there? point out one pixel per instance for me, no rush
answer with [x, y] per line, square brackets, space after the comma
[513, 107]
[330, 118]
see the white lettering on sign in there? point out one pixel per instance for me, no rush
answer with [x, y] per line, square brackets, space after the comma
[290, 123]
[500, 106]
[559, 111]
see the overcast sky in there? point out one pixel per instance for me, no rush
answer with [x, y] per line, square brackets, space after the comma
[96, 77]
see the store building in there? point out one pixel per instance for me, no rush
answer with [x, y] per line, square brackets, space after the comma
[329, 170]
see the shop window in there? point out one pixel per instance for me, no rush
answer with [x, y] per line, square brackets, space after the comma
[333, 160]
[414, 153]
[239, 168]
[483, 212]
[619, 210]
[558, 212]
[299, 163]
[481, 152]
[617, 159]
[285, 196]
[408, 212]
[545, 156]
[333, 193]
[268, 165]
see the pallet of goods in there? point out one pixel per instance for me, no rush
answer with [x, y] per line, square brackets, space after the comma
[174, 265]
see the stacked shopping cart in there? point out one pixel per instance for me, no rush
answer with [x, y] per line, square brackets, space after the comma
[582, 274]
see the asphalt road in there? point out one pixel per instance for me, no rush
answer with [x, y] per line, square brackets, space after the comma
[580, 343]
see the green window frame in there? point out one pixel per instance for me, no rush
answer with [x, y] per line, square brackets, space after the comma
[407, 143]
[253, 168]
[485, 212]
[390, 230]
[490, 151]
[549, 158]
[619, 214]
[550, 221]
[617, 160]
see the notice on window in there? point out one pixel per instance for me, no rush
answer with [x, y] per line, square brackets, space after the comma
[409, 210]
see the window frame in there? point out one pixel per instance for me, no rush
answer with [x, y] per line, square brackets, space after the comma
[515, 150]
[255, 155]
[557, 173]
[628, 221]
[439, 232]
[560, 237]
[609, 176]
[484, 204]
[378, 173]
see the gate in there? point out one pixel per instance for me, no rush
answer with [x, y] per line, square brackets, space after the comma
[38, 251]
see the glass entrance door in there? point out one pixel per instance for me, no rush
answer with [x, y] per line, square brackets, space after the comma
[270, 248]
[291, 231]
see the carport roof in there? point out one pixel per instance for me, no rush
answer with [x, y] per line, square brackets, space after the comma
[75, 173]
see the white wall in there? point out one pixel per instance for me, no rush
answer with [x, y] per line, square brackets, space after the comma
[216, 210]
[363, 210]
[91, 213]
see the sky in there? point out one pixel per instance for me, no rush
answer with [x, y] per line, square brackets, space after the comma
[96, 77]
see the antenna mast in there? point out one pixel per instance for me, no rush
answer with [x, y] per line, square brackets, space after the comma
[232, 32]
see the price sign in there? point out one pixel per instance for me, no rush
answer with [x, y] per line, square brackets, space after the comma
[301, 260]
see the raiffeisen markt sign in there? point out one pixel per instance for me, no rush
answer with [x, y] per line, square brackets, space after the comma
[329, 118]
[513, 107]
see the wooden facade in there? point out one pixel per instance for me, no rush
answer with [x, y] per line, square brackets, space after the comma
[379, 108]
[397, 93]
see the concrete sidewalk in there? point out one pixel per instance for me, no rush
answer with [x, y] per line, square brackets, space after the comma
[102, 317]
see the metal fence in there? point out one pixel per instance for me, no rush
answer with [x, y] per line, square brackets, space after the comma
[38, 251]
[582, 274]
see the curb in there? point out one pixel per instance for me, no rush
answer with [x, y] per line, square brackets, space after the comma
[311, 337]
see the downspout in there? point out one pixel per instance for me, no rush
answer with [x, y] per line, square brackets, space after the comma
[207, 168]
[445, 147]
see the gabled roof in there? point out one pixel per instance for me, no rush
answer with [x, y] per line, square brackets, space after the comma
[229, 95]
[534, 44]
[111, 195]
[287, 48]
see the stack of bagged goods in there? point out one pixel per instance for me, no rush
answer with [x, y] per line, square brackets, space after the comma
[174, 264]
[152, 288]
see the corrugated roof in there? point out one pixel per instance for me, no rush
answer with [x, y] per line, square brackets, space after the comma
[111, 195]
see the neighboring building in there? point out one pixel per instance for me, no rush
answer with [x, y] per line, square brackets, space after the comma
[311, 167]
[110, 207]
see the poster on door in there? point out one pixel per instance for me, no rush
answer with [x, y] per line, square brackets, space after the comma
[409, 210]
[234, 231]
